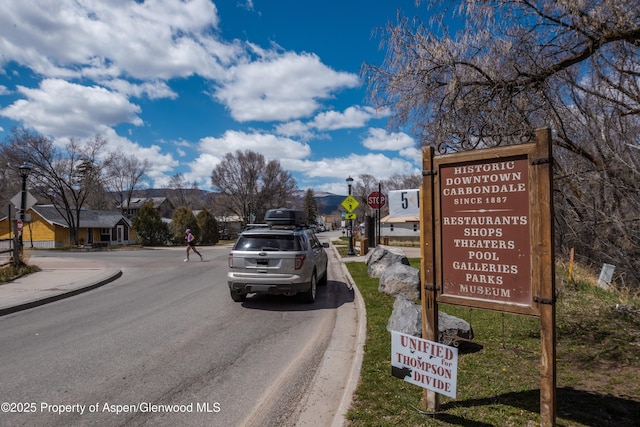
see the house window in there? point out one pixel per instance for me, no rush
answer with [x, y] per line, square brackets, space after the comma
[105, 234]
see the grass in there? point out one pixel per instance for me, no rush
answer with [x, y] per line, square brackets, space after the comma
[10, 272]
[598, 364]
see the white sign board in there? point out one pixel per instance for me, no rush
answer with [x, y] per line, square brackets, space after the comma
[17, 200]
[404, 203]
[427, 364]
[606, 275]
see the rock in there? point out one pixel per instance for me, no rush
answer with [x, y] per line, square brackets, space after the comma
[400, 279]
[451, 329]
[382, 257]
[407, 318]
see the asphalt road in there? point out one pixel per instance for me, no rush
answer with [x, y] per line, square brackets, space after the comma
[164, 345]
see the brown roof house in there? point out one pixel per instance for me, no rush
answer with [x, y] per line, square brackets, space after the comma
[162, 204]
[49, 229]
[406, 228]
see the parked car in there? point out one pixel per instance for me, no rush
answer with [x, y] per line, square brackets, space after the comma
[281, 257]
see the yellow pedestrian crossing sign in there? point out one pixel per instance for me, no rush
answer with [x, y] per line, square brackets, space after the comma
[350, 203]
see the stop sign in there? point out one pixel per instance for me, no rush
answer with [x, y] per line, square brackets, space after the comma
[376, 200]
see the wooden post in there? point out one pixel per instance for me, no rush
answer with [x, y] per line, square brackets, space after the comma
[544, 275]
[431, 399]
[570, 275]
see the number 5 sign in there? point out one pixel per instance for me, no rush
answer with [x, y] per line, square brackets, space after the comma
[404, 203]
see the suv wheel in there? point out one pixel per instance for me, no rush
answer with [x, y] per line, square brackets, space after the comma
[310, 296]
[237, 296]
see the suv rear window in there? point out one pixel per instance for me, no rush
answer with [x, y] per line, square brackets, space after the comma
[268, 243]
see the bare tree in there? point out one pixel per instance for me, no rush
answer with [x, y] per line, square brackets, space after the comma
[492, 82]
[362, 187]
[249, 185]
[123, 174]
[518, 65]
[65, 177]
[10, 181]
[184, 193]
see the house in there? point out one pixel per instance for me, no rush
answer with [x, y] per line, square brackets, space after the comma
[49, 229]
[229, 225]
[400, 228]
[162, 204]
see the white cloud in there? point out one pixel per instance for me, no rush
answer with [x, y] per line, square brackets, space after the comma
[353, 165]
[280, 87]
[381, 140]
[270, 146]
[352, 117]
[151, 89]
[412, 153]
[94, 56]
[294, 157]
[97, 39]
[295, 128]
[161, 164]
[61, 109]
[212, 149]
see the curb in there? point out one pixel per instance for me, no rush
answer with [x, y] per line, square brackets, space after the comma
[111, 275]
[361, 336]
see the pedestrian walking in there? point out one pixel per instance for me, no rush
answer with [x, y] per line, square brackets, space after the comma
[191, 245]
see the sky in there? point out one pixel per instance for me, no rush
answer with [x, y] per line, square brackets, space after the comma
[182, 83]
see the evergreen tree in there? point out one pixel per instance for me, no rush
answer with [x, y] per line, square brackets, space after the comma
[209, 234]
[181, 220]
[149, 227]
[310, 207]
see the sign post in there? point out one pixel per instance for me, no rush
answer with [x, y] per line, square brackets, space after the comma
[350, 204]
[430, 329]
[377, 200]
[491, 213]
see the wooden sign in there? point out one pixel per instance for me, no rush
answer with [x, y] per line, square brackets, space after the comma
[486, 214]
[486, 237]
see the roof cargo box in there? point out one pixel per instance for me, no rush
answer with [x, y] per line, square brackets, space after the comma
[284, 216]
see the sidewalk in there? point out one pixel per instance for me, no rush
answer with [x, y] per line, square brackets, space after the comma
[60, 278]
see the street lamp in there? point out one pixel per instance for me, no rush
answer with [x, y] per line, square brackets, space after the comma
[24, 170]
[350, 234]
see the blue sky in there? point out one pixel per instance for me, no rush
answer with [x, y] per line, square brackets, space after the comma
[181, 83]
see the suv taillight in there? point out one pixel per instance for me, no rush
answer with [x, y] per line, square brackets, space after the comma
[230, 260]
[299, 261]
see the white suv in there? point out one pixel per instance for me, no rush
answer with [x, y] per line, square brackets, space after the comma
[281, 257]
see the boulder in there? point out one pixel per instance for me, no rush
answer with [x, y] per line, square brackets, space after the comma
[400, 279]
[451, 329]
[407, 318]
[382, 257]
